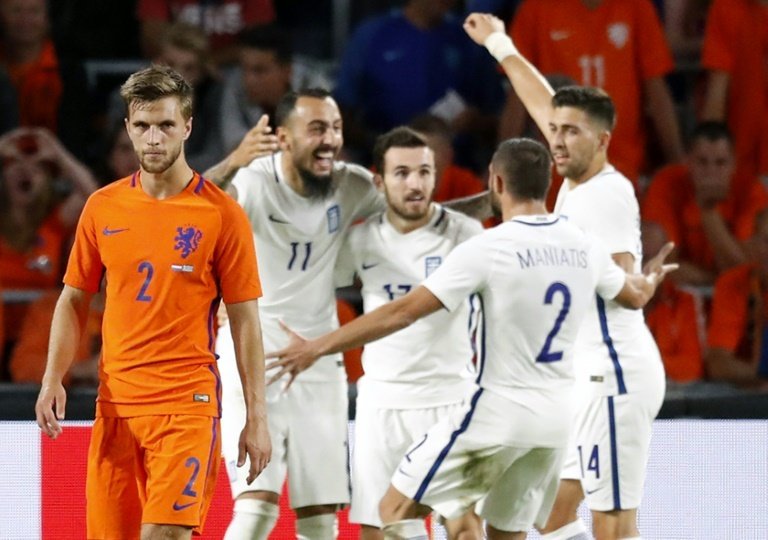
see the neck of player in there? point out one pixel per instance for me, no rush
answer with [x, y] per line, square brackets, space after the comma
[511, 208]
[169, 182]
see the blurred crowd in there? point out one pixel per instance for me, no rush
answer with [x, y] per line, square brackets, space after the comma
[688, 77]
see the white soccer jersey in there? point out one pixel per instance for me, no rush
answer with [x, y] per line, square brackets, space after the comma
[422, 365]
[536, 277]
[297, 241]
[615, 352]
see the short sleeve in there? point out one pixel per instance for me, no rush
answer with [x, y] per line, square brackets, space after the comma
[464, 272]
[610, 278]
[235, 257]
[85, 267]
[616, 204]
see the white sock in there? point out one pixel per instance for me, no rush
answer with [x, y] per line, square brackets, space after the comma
[322, 527]
[253, 519]
[575, 530]
[406, 529]
[632, 538]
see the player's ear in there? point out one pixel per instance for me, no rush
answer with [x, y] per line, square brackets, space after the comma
[378, 181]
[188, 128]
[496, 184]
[604, 138]
[282, 139]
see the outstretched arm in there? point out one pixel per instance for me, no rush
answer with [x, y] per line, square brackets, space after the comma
[529, 84]
[67, 327]
[383, 321]
[249, 354]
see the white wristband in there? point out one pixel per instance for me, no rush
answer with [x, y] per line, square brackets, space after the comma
[500, 46]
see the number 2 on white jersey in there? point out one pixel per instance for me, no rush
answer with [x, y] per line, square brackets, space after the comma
[557, 287]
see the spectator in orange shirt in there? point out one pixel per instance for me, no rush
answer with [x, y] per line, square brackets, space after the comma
[171, 245]
[734, 55]
[703, 209]
[42, 191]
[673, 317]
[617, 45]
[37, 211]
[737, 339]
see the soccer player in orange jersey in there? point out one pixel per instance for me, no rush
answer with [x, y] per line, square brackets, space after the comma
[170, 246]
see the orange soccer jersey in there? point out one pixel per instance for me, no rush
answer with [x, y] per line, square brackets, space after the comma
[670, 202]
[616, 46]
[736, 42]
[167, 263]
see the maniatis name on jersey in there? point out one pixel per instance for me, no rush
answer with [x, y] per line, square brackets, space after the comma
[552, 256]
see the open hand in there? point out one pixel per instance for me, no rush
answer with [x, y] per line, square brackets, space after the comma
[299, 355]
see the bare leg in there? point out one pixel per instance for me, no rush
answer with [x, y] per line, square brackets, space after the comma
[569, 497]
[615, 525]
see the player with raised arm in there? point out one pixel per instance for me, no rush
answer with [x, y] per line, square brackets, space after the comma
[301, 202]
[170, 245]
[417, 375]
[619, 374]
[536, 275]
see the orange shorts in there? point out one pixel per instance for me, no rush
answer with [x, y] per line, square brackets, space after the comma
[150, 469]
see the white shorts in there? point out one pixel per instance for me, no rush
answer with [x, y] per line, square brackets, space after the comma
[382, 436]
[608, 450]
[465, 457]
[308, 429]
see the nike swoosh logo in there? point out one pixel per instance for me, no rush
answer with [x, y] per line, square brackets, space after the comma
[278, 220]
[177, 506]
[590, 492]
[109, 232]
[369, 266]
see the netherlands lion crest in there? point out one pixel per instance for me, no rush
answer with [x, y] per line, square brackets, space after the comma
[187, 240]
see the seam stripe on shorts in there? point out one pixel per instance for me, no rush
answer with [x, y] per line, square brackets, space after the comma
[614, 455]
[462, 428]
[609, 343]
[208, 476]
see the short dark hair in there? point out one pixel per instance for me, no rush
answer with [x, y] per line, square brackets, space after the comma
[594, 101]
[399, 137]
[268, 37]
[288, 102]
[525, 166]
[155, 83]
[711, 131]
